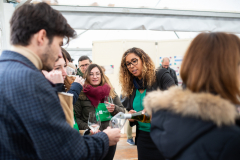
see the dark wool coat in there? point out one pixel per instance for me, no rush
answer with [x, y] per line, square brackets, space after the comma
[193, 126]
[32, 122]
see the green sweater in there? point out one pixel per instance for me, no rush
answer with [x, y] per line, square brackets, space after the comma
[138, 106]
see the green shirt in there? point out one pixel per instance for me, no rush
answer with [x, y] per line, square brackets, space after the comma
[138, 106]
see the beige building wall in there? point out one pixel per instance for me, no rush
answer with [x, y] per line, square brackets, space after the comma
[172, 47]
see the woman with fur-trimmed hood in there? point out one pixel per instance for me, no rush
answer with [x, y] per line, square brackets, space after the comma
[198, 121]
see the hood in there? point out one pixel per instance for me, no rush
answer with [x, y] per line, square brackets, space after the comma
[180, 117]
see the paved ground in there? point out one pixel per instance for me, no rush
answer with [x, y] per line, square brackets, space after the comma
[125, 151]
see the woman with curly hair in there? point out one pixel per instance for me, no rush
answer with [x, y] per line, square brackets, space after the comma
[138, 77]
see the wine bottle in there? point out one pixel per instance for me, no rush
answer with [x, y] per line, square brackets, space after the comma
[138, 116]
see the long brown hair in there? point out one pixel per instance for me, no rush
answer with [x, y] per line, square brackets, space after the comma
[211, 64]
[126, 78]
[64, 54]
[104, 78]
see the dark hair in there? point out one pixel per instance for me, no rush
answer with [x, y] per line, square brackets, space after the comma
[68, 57]
[31, 18]
[82, 58]
[64, 54]
[104, 78]
[211, 64]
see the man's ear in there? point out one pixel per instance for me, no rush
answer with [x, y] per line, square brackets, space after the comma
[42, 37]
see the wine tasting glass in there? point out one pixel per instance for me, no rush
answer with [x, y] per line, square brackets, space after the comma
[117, 121]
[108, 99]
[94, 121]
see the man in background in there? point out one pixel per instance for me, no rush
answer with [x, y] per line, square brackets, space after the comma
[83, 63]
[165, 64]
[32, 122]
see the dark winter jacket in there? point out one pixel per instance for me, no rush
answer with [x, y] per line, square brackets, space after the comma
[83, 106]
[193, 126]
[172, 73]
[163, 82]
[75, 89]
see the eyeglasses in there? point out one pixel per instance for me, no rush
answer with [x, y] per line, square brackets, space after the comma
[97, 74]
[84, 65]
[134, 62]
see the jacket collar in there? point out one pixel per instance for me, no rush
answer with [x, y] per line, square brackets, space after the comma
[205, 106]
[161, 67]
[29, 55]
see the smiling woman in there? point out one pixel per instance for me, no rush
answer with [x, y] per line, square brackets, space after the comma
[97, 86]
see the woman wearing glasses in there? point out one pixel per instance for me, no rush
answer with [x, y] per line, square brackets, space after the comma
[138, 77]
[97, 86]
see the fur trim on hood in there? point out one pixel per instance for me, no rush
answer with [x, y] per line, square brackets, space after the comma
[206, 106]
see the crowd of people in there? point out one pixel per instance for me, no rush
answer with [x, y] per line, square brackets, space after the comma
[43, 107]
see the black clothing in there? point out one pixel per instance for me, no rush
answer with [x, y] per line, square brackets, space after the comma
[193, 126]
[138, 84]
[146, 147]
[111, 153]
[163, 82]
[172, 73]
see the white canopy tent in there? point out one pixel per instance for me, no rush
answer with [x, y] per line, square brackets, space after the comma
[136, 19]
[111, 18]
[83, 44]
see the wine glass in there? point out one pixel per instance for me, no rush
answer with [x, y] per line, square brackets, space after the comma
[117, 123]
[107, 100]
[94, 121]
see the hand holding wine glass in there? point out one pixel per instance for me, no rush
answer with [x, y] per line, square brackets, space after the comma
[109, 104]
[54, 76]
[79, 80]
[113, 135]
[94, 121]
[110, 107]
